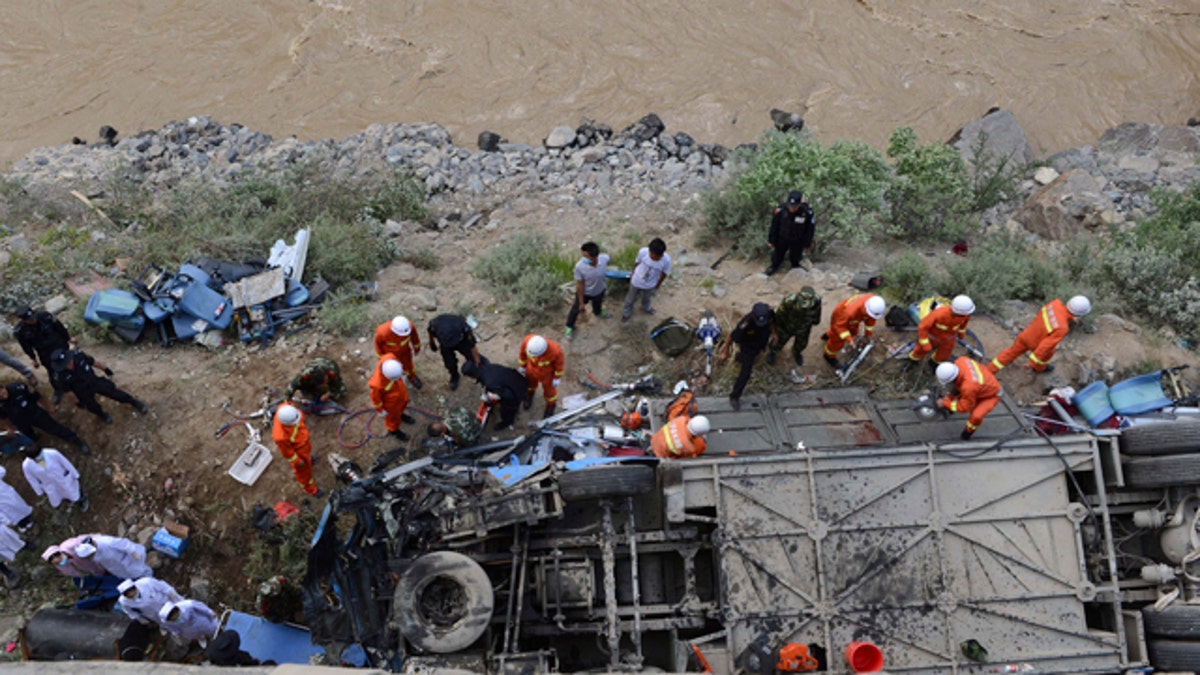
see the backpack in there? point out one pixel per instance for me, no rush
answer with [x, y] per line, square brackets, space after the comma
[897, 318]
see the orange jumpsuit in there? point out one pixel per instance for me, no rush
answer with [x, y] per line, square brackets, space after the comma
[403, 348]
[390, 396]
[543, 369]
[978, 392]
[941, 328]
[296, 447]
[845, 320]
[1040, 339]
[674, 441]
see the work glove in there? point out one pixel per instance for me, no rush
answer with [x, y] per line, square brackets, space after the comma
[521, 370]
[416, 350]
[945, 402]
[108, 371]
[555, 382]
[381, 413]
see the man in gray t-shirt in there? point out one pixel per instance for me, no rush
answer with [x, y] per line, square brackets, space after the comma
[589, 284]
[649, 272]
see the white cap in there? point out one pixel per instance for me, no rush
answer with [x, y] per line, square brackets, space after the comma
[876, 307]
[392, 369]
[698, 425]
[124, 586]
[288, 415]
[962, 305]
[537, 346]
[1079, 306]
[401, 326]
[85, 550]
[165, 611]
[947, 372]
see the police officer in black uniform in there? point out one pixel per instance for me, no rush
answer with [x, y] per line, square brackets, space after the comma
[39, 334]
[75, 371]
[504, 385]
[19, 404]
[451, 333]
[792, 230]
[752, 334]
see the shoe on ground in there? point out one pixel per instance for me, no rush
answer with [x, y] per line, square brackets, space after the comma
[528, 402]
[107, 418]
[799, 359]
[549, 411]
[502, 427]
[651, 311]
[770, 270]
[797, 265]
[1045, 371]
[735, 403]
[84, 504]
[570, 332]
[625, 319]
[319, 493]
[408, 419]
[966, 435]
[604, 314]
[415, 382]
[398, 435]
[833, 363]
[454, 384]
[83, 447]
[140, 407]
[770, 358]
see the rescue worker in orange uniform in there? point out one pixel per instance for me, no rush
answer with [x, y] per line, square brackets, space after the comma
[541, 362]
[291, 437]
[978, 391]
[865, 309]
[398, 338]
[389, 396]
[941, 329]
[681, 437]
[1042, 336]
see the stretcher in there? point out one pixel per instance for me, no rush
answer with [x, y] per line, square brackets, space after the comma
[281, 643]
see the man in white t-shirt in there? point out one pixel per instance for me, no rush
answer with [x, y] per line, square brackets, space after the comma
[651, 269]
[589, 284]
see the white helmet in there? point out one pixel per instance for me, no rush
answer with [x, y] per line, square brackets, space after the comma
[947, 372]
[962, 305]
[698, 425]
[876, 307]
[537, 346]
[401, 326]
[392, 369]
[288, 415]
[1079, 306]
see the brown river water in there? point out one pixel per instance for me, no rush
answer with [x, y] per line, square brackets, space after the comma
[1068, 69]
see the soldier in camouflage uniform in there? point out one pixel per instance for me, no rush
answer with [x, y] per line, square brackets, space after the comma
[320, 381]
[458, 428]
[795, 317]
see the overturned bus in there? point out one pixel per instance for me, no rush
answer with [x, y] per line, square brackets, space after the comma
[815, 521]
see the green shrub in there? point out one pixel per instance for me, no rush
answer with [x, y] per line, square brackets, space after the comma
[1003, 268]
[931, 196]
[994, 179]
[343, 315]
[845, 183]
[907, 277]
[524, 273]
[422, 258]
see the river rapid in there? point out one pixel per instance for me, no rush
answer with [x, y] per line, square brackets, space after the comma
[1068, 69]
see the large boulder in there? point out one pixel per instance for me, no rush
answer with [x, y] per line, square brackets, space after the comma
[1155, 140]
[1002, 137]
[1065, 207]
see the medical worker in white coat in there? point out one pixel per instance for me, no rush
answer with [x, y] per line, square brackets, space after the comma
[13, 506]
[50, 474]
[120, 557]
[143, 599]
[189, 619]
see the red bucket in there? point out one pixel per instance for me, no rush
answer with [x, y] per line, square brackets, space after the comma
[864, 657]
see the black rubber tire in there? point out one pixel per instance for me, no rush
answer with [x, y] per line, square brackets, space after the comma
[602, 482]
[1177, 621]
[1174, 655]
[1166, 438]
[458, 626]
[1157, 472]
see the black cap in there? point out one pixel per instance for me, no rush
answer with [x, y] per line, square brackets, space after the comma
[24, 312]
[795, 197]
[762, 314]
[58, 359]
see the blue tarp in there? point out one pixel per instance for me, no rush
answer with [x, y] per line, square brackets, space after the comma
[265, 640]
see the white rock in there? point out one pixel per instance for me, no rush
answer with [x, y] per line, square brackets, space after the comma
[1045, 175]
[561, 137]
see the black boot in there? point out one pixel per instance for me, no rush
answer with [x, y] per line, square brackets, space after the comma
[528, 402]
[770, 357]
[416, 381]
[549, 410]
[833, 363]
[454, 383]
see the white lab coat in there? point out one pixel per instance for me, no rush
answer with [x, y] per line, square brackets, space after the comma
[196, 620]
[12, 505]
[54, 477]
[122, 558]
[10, 541]
[152, 595]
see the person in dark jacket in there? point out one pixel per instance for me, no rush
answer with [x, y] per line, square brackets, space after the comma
[752, 334]
[791, 232]
[75, 372]
[19, 405]
[503, 386]
[39, 334]
[450, 333]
